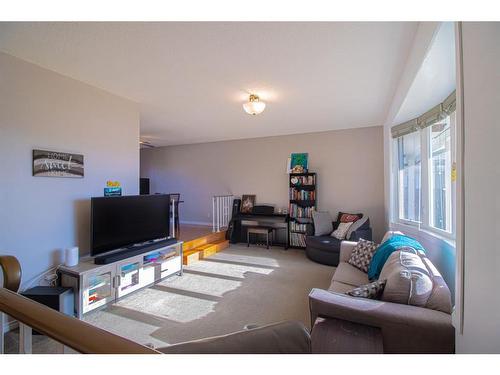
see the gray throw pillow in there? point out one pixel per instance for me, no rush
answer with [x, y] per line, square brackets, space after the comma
[322, 223]
[372, 290]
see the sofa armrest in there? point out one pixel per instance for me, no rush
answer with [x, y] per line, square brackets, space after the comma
[279, 338]
[405, 328]
[346, 248]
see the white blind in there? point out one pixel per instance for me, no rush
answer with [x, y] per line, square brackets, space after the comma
[430, 117]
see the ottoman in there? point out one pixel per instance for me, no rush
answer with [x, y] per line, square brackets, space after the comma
[323, 249]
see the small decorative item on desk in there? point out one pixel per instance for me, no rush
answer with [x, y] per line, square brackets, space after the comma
[112, 189]
[247, 203]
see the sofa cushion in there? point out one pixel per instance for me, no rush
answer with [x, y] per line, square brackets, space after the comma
[362, 254]
[339, 287]
[371, 290]
[413, 280]
[407, 278]
[440, 298]
[347, 274]
[322, 223]
[326, 243]
[386, 249]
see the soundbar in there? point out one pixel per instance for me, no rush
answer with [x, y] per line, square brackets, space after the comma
[132, 251]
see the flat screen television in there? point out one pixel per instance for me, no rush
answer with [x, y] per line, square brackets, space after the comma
[118, 222]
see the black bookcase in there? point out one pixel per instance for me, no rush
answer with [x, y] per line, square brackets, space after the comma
[302, 202]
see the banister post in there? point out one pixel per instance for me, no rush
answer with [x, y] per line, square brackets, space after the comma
[213, 214]
[25, 339]
[2, 325]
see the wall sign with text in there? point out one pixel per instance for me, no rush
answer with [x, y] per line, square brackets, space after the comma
[57, 164]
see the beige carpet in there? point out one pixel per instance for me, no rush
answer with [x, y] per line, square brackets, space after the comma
[218, 295]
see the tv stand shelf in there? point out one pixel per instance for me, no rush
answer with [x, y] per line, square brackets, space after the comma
[96, 285]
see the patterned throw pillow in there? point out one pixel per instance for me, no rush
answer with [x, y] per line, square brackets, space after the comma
[341, 231]
[344, 217]
[362, 254]
[349, 218]
[372, 290]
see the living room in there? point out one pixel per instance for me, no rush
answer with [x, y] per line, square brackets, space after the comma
[321, 185]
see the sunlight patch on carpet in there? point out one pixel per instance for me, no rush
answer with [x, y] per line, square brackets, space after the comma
[119, 325]
[172, 306]
[254, 260]
[226, 269]
[211, 286]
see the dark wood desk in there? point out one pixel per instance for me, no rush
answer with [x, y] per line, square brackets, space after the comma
[243, 221]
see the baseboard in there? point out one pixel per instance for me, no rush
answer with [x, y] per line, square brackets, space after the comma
[196, 222]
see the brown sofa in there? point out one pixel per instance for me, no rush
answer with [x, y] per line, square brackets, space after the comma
[280, 338]
[345, 324]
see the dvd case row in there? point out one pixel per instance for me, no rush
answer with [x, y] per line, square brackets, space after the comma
[297, 239]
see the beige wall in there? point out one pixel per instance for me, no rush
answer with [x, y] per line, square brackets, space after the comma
[41, 216]
[349, 164]
[481, 251]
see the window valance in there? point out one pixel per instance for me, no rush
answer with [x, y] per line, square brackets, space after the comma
[430, 117]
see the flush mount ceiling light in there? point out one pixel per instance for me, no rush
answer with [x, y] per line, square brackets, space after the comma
[254, 106]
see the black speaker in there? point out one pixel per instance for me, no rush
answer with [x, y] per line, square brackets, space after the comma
[58, 298]
[236, 206]
[234, 227]
[263, 210]
[144, 186]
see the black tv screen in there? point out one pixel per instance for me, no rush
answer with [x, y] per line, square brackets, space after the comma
[118, 222]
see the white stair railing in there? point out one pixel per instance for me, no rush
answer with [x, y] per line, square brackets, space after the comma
[221, 211]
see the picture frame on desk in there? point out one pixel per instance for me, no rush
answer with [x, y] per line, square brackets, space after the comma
[247, 203]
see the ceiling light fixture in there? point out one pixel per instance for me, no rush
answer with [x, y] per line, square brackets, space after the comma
[146, 144]
[254, 106]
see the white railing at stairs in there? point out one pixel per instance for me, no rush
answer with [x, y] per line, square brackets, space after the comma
[221, 211]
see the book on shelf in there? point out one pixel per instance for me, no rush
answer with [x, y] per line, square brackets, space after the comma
[302, 203]
[302, 195]
[297, 240]
[298, 227]
[303, 180]
[297, 211]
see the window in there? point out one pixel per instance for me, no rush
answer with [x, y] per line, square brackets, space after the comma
[409, 177]
[424, 155]
[440, 193]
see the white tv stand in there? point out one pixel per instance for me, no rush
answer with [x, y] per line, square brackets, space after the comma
[96, 285]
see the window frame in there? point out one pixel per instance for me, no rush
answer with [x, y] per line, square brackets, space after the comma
[425, 184]
[405, 221]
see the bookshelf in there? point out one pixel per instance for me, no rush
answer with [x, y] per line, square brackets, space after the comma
[302, 202]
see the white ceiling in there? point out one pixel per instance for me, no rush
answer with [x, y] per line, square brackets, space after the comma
[190, 79]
